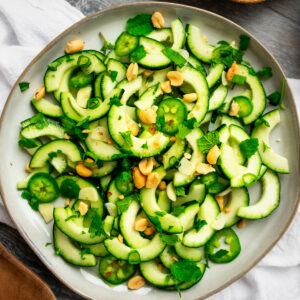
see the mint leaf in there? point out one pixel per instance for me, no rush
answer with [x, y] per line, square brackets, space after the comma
[239, 79]
[83, 252]
[199, 224]
[138, 54]
[265, 72]
[169, 239]
[126, 135]
[24, 86]
[123, 205]
[27, 143]
[207, 141]
[185, 270]
[39, 121]
[249, 147]
[113, 75]
[274, 98]
[141, 24]
[115, 101]
[244, 42]
[106, 44]
[174, 56]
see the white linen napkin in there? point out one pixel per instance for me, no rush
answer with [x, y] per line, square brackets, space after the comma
[25, 28]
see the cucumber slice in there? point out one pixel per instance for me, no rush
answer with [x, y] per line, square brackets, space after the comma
[46, 211]
[271, 159]
[268, 201]
[174, 154]
[97, 249]
[178, 34]
[53, 130]
[47, 108]
[161, 35]
[104, 182]
[148, 98]
[69, 252]
[83, 95]
[129, 87]
[163, 201]
[208, 211]
[23, 184]
[41, 156]
[187, 217]
[127, 220]
[193, 254]
[97, 86]
[214, 74]
[197, 46]
[59, 162]
[168, 257]
[125, 44]
[218, 97]
[30, 151]
[112, 192]
[107, 168]
[154, 58]
[245, 106]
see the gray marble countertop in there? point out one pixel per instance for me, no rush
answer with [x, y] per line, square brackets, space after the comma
[275, 23]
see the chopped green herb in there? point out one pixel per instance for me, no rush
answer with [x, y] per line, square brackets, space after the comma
[24, 86]
[160, 213]
[177, 210]
[207, 141]
[174, 56]
[69, 189]
[126, 135]
[156, 223]
[115, 101]
[282, 94]
[239, 79]
[123, 205]
[84, 123]
[106, 44]
[226, 54]
[261, 121]
[145, 146]
[199, 224]
[186, 127]
[185, 270]
[265, 72]
[223, 43]
[249, 147]
[244, 42]
[84, 251]
[180, 191]
[113, 75]
[71, 128]
[53, 66]
[274, 98]
[48, 244]
[119, 118]
[33, 202]
[141, 24]
[27, 143]
[93, 103]
[169, 239]
[39, 121]
[138, 54]
[96, 227]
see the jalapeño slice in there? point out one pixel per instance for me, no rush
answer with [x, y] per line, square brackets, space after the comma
[115, 271]
[125, 44]
[43, 187]
[245, 106]
[170, 113]
[216, 253]
[124, 183]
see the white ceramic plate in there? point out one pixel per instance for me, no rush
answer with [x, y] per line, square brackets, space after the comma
[256, 239]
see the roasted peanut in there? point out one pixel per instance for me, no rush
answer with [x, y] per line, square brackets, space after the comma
[166, 86]
[234, 109]
[213, 155]
[132, 71]
[147, 73]
[83, 171]
[162, 186]
[241, 223]
[74, 46]
[158, 20]
[203, 168]
[173, 139]
[150, 230]
[190, 97]
[136, 282]
[227, 210]
[220, 200]
[83, 208]
[147, 116]
[139, 179]
[141, 224]
[146, 166]
[234, 69]
[121, 197]
[27, 168]
[133, 128]
[175, 77]
[152, 180]
[40, 93]
[120, 238]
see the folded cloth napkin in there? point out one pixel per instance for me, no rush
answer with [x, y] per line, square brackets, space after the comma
[25, 28]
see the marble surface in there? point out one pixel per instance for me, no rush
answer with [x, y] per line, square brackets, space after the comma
[274, 22]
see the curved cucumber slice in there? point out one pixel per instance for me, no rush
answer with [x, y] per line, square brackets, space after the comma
[198, 82]
[147, 99]
[161, 35]
[197, 46]
[117, 124]
[168, 257]
[174, 154]
[268, 201]
[178, 34]
[127, 220]
[218, 97]
[53, 130]
[193, 254]
[107, 168]
[208, 212]
[125, 44]
[258, 94]
[97, 249]
[271, 159]
[41, 156]
[154, 58]
[154, 275]
[163, 201]
[214, 74]
[69, 252]
[187, 217]
[129, 87]
[47, 108]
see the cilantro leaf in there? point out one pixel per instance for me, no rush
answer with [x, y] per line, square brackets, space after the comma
[261, 121]
[179, 191]
[207, 141]
[156, 223]
[96, 226]
[249, 147]
[199, 224]
[174, 56]
[106, 44]
[33, 202]
[39, 121]
[138, 54]
[115, 101]
[141, 24]
[123, 205]
[71, 128]
[220, 253]
[274, 98]
[185, 270]
[27, 143]
[169, 239]
[126, 135]
[160, 213]
[177, 210]
[186, 127]
[244, 42]
[239, 79]
[145, 146]
[113, 75]
[84, 251]
[265, 72]
[226, 54]
[53, 66]
[24, 86]
[282, 94]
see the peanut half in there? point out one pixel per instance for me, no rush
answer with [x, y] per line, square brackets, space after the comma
[158, 20]
[152, 180]
[83, 171]
[132, 71]
[204, 169]
[136, 282]
[74, 46]
[190, 97]
[175, 77]
[166, 87]
[148, 116]
[234, 69]
[141, 224]
[213, 155]
[40, 93]
[139, 179]
[146, 166]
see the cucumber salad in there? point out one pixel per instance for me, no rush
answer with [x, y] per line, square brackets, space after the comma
[143, 153]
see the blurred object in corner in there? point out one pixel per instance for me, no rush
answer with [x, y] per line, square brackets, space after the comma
[248, 1]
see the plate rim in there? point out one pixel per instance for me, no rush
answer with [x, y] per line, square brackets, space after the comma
[167, 5]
